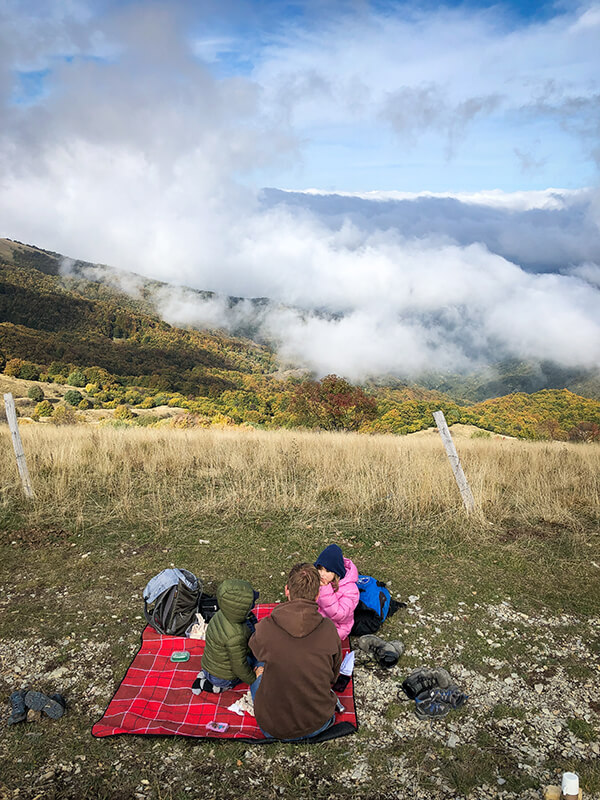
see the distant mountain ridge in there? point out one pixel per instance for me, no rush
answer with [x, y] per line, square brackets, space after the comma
[79, 329]
[103, 283]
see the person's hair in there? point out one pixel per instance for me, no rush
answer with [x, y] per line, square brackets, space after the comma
[303, 582]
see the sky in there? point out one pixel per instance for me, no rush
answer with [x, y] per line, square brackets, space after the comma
[414, 186]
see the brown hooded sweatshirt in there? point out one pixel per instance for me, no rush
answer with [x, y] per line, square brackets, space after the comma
[302, 654]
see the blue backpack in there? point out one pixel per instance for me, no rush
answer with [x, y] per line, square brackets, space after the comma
[375, 604]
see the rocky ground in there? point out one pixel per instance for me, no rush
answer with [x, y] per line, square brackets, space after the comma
[533, 711]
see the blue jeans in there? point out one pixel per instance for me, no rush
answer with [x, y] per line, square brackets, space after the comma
[230, 683]
[329, 723]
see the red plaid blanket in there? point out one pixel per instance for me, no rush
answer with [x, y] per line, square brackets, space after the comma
[155, 696]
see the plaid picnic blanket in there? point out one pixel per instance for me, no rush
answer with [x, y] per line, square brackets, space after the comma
[155, 696]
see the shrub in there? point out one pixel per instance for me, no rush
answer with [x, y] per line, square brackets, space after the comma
[73, 397]
[104, 396]
[13, 367]
[148, 402]
[63, 415]
[132, 397]
[585, 432]
[92, 388]
[176, 401]
[85, 404]
[76, 378]
[43, 409]
[145, 420]
[29, 371]
[35, 393]
[58, 368]
[123, 412]
[2, 360]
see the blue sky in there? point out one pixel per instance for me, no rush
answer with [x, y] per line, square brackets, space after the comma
[380, 95]
[140, 134]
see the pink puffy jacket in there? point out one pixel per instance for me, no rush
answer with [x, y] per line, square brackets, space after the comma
[339, 606]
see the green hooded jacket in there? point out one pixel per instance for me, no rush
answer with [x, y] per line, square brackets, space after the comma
[226, 651]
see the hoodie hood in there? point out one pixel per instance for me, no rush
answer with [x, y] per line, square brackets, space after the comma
[235, 599]
[351, 575]
[299, 618]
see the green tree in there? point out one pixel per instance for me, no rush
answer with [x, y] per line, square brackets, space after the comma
[76, 378]
[35, 393]
[29, 371]
[73, 397]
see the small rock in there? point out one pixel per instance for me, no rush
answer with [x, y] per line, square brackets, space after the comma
[57, 673]
[34, 716]
[453, 740]
[539, 687]
[501, 781]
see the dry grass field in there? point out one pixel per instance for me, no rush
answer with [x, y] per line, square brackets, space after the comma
[506, 597]
[166, 475]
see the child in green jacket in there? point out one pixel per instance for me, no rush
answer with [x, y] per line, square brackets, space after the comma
[227, 660]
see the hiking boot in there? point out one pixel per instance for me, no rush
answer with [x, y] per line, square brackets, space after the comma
[398, 647]
[385, 653]
[424, 679]
[439, 702]
[54, 705]
[19, 709]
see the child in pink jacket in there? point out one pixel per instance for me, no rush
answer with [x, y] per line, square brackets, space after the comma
[338, 595]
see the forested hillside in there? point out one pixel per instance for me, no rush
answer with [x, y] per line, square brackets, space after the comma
[111, 352]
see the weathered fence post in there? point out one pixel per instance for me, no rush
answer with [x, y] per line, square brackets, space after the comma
[459, 475]
[11, 417]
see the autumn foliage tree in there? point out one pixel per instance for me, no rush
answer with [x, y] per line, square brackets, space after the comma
[332, 404]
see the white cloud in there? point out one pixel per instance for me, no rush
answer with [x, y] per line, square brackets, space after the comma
[134, 158]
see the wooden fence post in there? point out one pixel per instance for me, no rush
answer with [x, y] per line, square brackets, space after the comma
[11, 416]
[459, 475]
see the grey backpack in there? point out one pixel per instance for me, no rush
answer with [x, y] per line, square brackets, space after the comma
[171, 601]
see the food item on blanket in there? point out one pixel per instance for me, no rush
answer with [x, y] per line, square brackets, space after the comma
[386, 653]
[180, 655]
[218, 727]
[244, 705]
[198, 629]
[424, 679]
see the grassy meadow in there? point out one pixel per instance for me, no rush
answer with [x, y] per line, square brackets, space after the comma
[114, 506]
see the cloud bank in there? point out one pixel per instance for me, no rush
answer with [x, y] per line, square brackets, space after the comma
[127, 140]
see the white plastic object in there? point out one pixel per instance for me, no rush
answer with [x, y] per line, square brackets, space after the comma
[570, 784]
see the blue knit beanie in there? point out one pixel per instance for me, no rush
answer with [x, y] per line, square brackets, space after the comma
[332, 559]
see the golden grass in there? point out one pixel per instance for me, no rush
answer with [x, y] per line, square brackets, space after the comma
[96, 475]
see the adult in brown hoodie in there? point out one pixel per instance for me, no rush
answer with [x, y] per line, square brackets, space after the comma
[302, 653]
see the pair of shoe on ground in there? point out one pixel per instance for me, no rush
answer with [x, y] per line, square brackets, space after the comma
[433, 692]
[53, 705]
[386, 653]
